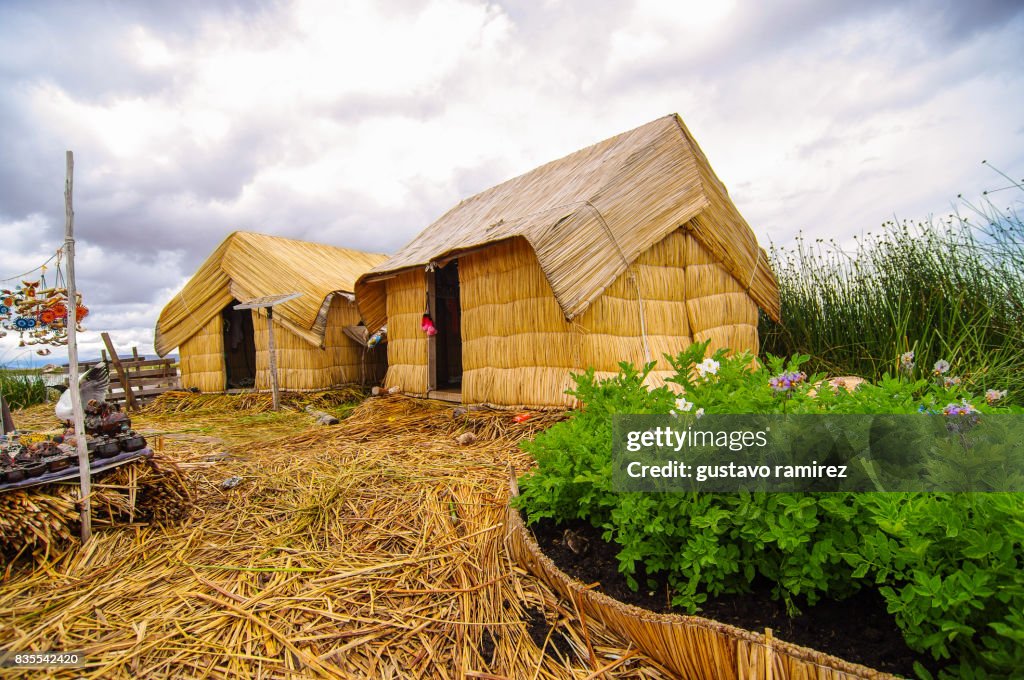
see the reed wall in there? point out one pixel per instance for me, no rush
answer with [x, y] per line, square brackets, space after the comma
[718, 306]
[302, 366]
[518, 348]
[407, 343]
[201, 358]
[353, 364]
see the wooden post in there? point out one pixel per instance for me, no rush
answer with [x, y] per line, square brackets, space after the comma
[273, 358]
[268, 302]
[129, 398]
[85, 472]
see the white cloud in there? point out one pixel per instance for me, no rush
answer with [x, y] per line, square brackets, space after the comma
[359, 123]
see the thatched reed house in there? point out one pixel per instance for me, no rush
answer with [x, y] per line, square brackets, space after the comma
[622, 251]
[221, 348]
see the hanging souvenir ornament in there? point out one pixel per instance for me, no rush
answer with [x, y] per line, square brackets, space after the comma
[41, 309]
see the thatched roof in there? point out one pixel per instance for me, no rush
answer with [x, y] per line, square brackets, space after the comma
[247, 266]
[589, 215]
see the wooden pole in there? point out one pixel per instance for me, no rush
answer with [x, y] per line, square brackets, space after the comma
[129, 398]
[85, 473]
[273, 358]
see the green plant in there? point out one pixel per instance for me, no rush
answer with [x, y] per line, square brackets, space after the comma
[22, 390]
[950, 289]
[950, 566]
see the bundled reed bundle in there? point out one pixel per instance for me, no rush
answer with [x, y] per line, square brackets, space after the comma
[42, 520]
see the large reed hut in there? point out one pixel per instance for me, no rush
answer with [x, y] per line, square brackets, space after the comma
[221, 348]
[622, 251]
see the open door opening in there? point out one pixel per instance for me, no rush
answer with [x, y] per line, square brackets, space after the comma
[447, 311]
[239, 348]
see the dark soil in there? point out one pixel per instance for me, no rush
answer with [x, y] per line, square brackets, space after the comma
[539, 628]
[858, 629]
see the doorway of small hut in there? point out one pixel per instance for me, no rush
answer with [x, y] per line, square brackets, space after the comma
[447, 354]
[239, 348]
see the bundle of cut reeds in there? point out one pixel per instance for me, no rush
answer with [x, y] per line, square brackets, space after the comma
[36, 522]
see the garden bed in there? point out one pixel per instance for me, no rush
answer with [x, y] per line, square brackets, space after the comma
[694, 647]
[858, 629]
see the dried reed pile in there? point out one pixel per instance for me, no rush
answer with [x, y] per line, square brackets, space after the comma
[37, 522]
[372, 549]
[253, 402]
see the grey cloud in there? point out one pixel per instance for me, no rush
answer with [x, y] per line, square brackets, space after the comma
[958, 19]
[767, 31]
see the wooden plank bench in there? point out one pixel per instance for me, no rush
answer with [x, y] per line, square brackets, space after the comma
[149, 378]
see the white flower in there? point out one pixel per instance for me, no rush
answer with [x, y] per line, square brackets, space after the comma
[907, 361]
[707, 367]
[992, 396]
[700, 412]
[941, 366]
[683, 405]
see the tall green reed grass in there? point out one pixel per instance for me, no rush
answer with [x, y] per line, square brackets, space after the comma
[22, 390]
[950, 289]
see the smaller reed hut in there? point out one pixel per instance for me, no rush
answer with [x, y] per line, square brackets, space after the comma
[221, 348]
[623, 251]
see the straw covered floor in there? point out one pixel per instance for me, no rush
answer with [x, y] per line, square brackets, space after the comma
[374, 548]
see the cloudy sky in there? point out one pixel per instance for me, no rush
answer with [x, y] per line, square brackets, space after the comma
[359, 123]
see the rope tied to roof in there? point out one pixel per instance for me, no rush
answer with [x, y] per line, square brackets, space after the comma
[631, 276]
[753, 272]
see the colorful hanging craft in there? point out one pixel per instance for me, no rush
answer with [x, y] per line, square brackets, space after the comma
[40, 311]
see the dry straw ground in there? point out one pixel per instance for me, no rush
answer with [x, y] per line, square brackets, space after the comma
[370, 549]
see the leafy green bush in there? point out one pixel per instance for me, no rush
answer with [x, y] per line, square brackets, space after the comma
[950, 566]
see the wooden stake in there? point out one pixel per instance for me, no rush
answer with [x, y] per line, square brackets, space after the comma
[85, 473]
[129, 398]
[273, 358]
[268, 302]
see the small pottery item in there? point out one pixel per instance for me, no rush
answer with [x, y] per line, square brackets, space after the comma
[107, 448]
[58, 463]
[15, 476]
[132, 442]
[34, 469]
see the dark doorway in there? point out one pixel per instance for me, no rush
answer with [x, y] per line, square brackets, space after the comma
[448, 319]
[239, 347]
